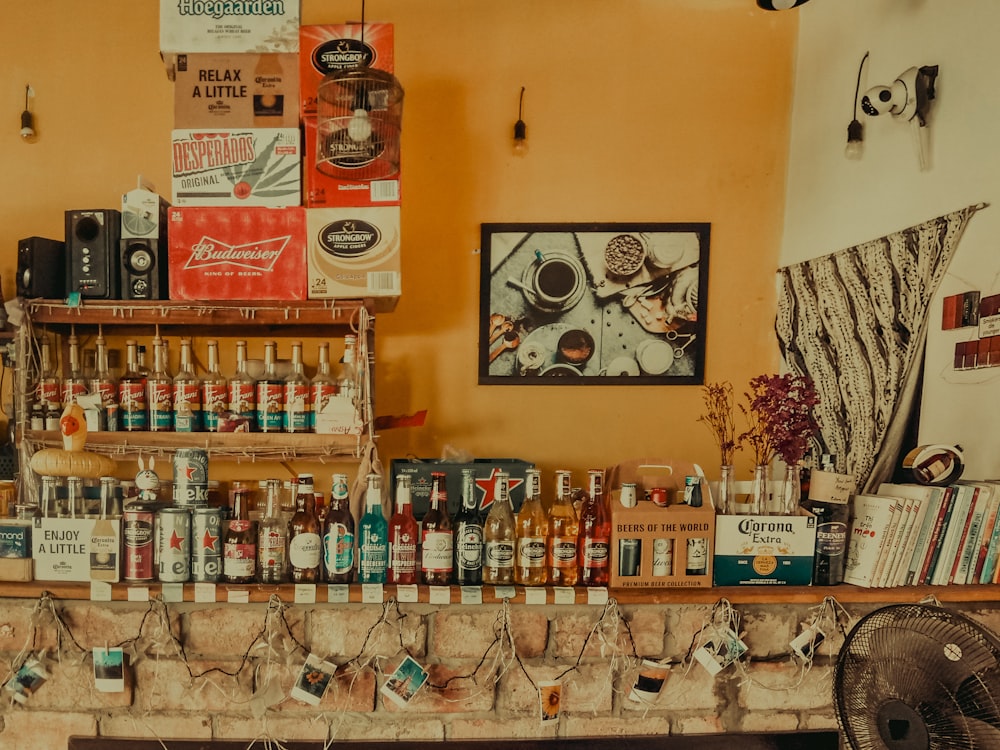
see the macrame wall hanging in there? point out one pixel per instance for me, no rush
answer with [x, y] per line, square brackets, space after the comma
[855, 321]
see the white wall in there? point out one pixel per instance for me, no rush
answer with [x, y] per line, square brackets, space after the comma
[834, 203]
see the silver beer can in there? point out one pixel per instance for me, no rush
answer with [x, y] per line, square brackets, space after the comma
[174, 544]
[190, 477]
[206, 545]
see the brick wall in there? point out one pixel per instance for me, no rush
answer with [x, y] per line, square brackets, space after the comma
[162, 699]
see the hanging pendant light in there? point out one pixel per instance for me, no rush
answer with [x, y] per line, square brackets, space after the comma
[780, 4]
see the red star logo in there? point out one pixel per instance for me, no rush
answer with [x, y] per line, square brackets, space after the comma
[208, 541]
[175, 541]
[489, 487]
[189, 472]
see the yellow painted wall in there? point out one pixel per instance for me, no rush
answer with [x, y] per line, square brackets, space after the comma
[637, 110]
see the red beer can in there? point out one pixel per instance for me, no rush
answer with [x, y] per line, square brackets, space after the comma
[138, 526]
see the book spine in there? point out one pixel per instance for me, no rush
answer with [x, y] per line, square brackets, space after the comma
[970, 542]
[934, 544]
[920, 549]
[955, 530]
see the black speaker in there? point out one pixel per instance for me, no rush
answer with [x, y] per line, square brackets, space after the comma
[41, 268]
[92, 239]
[144, 268]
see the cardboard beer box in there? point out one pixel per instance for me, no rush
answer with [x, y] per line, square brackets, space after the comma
[68, 549]
[227, 26]
[330, 191]
[236, 91]
[354, 253]
[241, 167]
[237, 253]
[330, 48]
[15, 550]
[753, 549]
[487, 469]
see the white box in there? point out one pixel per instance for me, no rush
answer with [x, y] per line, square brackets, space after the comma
[243, 167]
[61, 548]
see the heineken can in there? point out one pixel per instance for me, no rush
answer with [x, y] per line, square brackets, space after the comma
[190, 477]
[173, 548]
[206, 545]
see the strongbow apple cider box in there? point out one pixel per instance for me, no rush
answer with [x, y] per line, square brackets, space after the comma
[250, 167]
[330, 48]
[225, 26]
[327, 191]
[354, 253]
[224, 253]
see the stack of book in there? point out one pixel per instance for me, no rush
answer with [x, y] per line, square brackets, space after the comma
[912, 534]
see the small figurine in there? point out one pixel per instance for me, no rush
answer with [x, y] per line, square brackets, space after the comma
[147, 482]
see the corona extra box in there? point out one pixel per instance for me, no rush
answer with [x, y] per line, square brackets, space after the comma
[236, 91]
[765, 549]
[249, 167]
[237, 253]
[225, 26]
[331, 48]
[354, 253]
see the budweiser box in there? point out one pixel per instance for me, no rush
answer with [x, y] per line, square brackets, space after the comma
[236, 91]
[326, 190]
[652, 546]
[354, 253]
[224, 27]
[249, 167]
[226, 253]
[331, 48]
[487, 470]
[765, 549]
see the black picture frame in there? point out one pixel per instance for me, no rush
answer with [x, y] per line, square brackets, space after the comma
[593, 303]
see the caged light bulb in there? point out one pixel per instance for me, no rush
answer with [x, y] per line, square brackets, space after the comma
[359, 129]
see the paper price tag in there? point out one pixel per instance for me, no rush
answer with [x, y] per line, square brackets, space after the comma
[100, 591]
[371, 593]
[504, 592]
[238, 596]
[534, 595]
[338, 593]
[598, 596]
[564, 595]
[204, 592]
[172, 592]
[406, 592]
[305, 593]
[472, 594]
[440, 594]
[138, 593]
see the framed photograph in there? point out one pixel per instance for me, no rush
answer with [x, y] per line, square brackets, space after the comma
[593, 304]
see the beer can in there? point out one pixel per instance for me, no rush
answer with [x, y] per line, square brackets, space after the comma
[206, 545]
[628, 556]
[138, 524]
[659, 496]
[628, 497]
[663, 557]
[174, 544]
[190, 477]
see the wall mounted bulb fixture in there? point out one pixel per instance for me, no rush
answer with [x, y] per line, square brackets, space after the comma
[856, 131]
[27, 119]
[780, 4]
[520, 129]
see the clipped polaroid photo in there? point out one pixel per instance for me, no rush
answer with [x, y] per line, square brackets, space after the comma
[649, 681]
[719, 651]
[31, 676]
[404, 683]
[109, 670]
[313, 680]
[806, 643]
[550, 700]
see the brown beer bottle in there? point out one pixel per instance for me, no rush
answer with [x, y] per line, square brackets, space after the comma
[595, 534]
[304, 552]
[436, 536]
[239, 546]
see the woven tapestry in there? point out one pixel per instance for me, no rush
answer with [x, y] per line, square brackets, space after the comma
[855, 321]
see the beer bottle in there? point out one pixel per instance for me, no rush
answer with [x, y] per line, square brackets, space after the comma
[186, 393]
[403, 534]
[214, 390]
[104, 539]
[322, 387]
[160, 391]
[102, 383]
[338, 536]
[74, 384]
[563, 531]
[49, 389]
[437, 539]
[243, 389]
[239, 546]
[270, 390]
[373, 536]
[469, 534]
[532, 532]
[595, 534]
[499, 536]
[303, 535]
[347, 382]
[296, 394]
[272, 538]
[132, 392]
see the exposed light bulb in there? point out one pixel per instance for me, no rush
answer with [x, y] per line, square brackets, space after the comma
[855, 141]
[359, 129]
[520, 138]
[27, 126]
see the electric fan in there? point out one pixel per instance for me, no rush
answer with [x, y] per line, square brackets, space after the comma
[916, 677]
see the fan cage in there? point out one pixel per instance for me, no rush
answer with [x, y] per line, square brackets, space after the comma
[350, 104]
[914, 677]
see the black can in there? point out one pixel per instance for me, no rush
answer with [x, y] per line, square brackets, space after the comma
[206, 545]
[831, 541]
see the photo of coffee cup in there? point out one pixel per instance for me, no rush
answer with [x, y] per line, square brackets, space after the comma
[576, 346]
[655, 356]
[556, 282]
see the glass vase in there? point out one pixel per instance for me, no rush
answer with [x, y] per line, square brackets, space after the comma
[760, 490]
[727, 494]
[791, 491]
